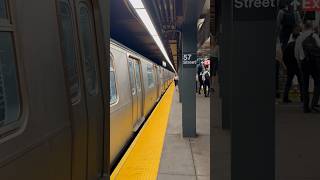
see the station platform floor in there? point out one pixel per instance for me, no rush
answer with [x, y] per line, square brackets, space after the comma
[186, 158]
[141, 160]
[161, 152]
[297, 145]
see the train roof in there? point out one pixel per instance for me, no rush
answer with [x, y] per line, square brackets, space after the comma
[116, 43]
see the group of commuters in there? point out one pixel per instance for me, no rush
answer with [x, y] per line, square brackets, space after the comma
[203, 79]
[298, 51]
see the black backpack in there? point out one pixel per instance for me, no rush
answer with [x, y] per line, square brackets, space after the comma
[199, 69]
[206, 76]
[310, 47]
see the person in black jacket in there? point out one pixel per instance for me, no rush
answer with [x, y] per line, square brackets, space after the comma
[206, 81]
[287, 20]
[307, 52]
[292, 68]
[201, 82]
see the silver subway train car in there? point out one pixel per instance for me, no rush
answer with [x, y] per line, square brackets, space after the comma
[54, 90]
[136, 85]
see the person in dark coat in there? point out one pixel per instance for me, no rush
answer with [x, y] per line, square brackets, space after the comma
[307, 52]
[292, 68]
[287, 20]
[206, 80]
[201, 82]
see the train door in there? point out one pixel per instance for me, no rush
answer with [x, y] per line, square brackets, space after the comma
[93, 88]
[133, 85]
[70, 53]
[139, 93]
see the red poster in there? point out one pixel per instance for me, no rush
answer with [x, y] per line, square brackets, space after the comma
[311, 5]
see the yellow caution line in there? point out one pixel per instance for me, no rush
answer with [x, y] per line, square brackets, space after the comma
[142, 159]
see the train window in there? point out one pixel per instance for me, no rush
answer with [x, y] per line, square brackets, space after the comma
[113, 87]
[150, 76]
[9, 90]
[3, 9]
[132, 79]
[137, 67]
[68, 47]
[88, 44]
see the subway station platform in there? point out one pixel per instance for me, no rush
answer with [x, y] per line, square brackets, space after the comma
[297, 143]
[186, 158]
[160, 152]
[297, 146]
[141, 160]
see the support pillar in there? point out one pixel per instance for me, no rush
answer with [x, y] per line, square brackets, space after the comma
[189, 50]
[252, 93]
[225, 70]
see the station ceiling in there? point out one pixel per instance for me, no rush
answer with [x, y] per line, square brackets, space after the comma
[167, 16]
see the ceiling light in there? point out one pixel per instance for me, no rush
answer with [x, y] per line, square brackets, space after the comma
[137, 4]
[145, 18]
[143, 14]
[162, 49]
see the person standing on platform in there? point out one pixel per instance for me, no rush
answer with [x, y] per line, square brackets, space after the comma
[200, 71]
[279, 61]
[197, 81]
[317, 105]
[206, 80]
[176, 80]
[307, 52]
[287, 20]
[292, 67]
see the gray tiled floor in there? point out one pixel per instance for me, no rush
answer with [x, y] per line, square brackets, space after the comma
[297, 146]
[297, 143]
[186, 158]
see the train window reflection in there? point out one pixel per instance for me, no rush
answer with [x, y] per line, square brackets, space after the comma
[150, 76]
[88, 44]
[137, 67]
[9, 93]
[3, 9]
[132, 79]
[68, 47]
[113, 87]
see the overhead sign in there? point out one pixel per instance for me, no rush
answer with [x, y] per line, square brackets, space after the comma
[252, 10]
[189, 59]
[311, 5]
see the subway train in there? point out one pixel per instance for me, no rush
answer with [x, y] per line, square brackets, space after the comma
[136, 85]
[54, 93]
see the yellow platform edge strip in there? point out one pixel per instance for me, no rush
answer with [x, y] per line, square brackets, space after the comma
[142, 159]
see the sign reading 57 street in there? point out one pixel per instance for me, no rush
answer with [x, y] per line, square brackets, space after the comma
[189, 58]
